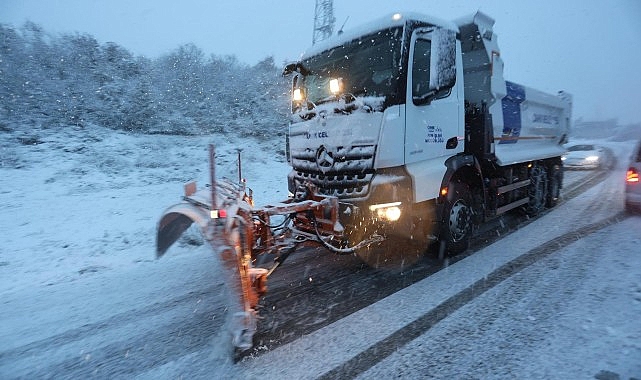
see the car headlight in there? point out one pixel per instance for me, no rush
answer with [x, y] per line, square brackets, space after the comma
[592, 158]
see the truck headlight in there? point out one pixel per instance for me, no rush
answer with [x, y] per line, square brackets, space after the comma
[336, 85]
[387, 211]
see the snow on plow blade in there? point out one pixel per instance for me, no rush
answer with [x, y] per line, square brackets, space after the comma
[176, 220]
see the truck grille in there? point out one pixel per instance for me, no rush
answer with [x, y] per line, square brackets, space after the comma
[343, 172]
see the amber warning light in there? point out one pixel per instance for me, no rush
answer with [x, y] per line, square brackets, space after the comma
[632, 176]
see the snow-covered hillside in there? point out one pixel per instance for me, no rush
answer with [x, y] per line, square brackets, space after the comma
[83, 200]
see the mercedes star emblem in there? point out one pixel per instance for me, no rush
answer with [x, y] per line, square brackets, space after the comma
[324, 159]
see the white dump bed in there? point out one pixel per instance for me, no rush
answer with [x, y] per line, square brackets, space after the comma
[527, 124]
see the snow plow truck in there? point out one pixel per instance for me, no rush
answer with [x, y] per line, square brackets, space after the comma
[403, 129]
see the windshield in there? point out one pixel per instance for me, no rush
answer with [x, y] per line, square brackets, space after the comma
[368, 66]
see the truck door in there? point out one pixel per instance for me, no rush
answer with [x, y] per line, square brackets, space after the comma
[434, 112]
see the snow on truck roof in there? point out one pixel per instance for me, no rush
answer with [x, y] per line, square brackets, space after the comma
[389, 21]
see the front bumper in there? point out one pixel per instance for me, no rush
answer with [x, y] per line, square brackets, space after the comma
[633, 195]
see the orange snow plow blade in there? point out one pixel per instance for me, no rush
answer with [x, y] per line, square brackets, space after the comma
[238, 233]
[231, 245]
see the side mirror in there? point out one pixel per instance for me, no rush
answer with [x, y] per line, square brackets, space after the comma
[443, 61]
[289, 68]
[295, 67]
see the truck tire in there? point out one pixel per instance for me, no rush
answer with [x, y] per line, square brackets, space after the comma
[537, 191]
[554, 188]
[456, 225]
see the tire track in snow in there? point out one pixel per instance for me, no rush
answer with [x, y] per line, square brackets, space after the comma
[381, 350]
[180, 333]
[131, 357]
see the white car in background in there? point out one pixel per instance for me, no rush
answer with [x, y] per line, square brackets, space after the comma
[582, 156]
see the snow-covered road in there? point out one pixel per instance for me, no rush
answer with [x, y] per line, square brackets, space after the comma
[83, 296]
[571, 315]
[567, 308]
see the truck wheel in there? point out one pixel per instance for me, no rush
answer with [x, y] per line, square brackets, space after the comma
[537, 191]
[457, 218]
[554, 189]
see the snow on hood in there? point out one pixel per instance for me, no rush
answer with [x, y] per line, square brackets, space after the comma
[362, 104]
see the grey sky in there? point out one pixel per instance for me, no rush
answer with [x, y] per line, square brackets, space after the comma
[589, 48]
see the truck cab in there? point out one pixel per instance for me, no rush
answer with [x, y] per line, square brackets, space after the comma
[409, 123]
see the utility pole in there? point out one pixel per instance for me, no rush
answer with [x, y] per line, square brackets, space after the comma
[323, 20]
